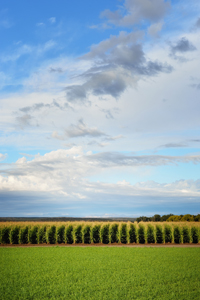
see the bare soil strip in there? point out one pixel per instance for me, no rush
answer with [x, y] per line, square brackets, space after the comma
[170, 245]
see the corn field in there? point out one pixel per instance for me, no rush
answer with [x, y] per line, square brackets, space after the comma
[97, 232]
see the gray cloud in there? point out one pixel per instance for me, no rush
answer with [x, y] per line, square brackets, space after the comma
[123, 51]
[124, 38]
[79, 130]
[182, 46]
[108, 113]
[154, 67]
[107, 83]
[181, 144]
[76, 92]
[129, 57]
[115, 80]
[35, 107]
[110, 82]
[100, 144]
[56, 70]
[197, 24]
[119, 62]
[195, 140]
[114, 138]
[135, 11]
[113, 159]
[38, 106]
[195, 85]
[24, 121]
[154, 29]
[174, 145]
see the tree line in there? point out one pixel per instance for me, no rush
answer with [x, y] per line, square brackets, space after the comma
[170, 218]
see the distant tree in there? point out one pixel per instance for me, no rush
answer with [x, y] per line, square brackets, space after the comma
[188, 218]
[197, 218]
[165, 217]
[156, 218]
[144, 219]
[175, 218]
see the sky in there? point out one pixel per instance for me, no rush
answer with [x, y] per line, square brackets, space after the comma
[99, 108]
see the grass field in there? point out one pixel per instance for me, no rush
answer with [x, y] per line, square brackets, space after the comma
[99, 273]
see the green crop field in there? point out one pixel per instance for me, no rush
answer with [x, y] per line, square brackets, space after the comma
[99, 273]
[99, 232]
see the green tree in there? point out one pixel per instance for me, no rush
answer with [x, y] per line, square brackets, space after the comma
[156, 218]
[188, 218]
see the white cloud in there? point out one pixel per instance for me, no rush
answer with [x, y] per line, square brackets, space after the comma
[66, 171]
[52, 20]
[40, 24]
[5, 21]
[3, 156]
[27, 50]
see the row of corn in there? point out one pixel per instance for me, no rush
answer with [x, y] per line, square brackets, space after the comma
[100, 233]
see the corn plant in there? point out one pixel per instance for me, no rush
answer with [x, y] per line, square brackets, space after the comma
[194, 235]
[186, 234]
[51, 235]
[141, 234]
[14, 235]
[150, 234]
[78, 234]
[105, 234]
[159, 234]
[23, 235]
[5, 235]
[69, 235]
[114, 234]
[177, 235]
[41, 236]
[60, 234]
[167, 234]
[132, 234]
[87, 234]
[123, 233]
[32, 235]
[96, 234]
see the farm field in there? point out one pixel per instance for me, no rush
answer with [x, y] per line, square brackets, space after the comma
[59, 223]
[99, 273]
[99, 232]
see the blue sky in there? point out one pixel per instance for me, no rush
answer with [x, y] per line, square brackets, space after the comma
[99, 108]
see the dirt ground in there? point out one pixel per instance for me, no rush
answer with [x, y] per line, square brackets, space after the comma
[102, 245]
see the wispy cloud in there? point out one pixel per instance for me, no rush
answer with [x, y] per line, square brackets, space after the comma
[65, 171]
[79, 130]
[5, 21]
[24, 121]
[3, 156]
[27, 50]
[52, 20]
[135, 11]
